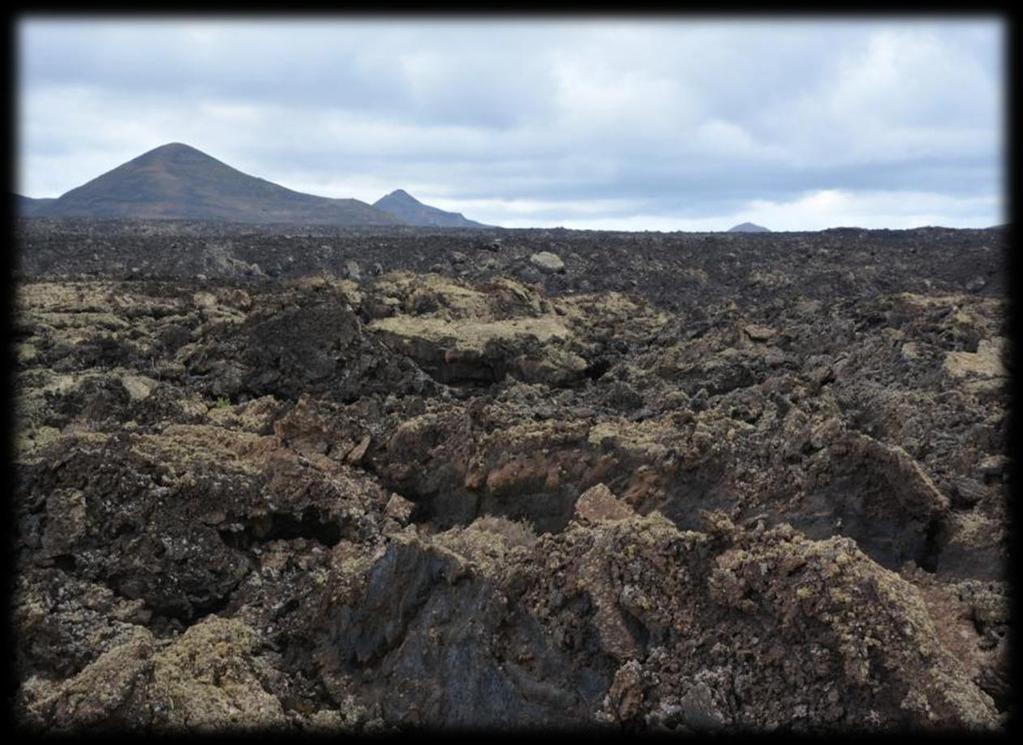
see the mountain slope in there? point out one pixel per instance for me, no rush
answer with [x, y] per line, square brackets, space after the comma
[408, 209]
[748, 227]
[178, 181]
[27, 206]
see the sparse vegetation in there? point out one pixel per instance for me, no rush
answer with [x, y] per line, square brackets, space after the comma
[516, 532]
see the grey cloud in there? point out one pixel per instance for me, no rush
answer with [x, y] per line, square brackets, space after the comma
[671, 117]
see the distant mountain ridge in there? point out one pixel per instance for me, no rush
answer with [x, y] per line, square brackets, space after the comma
[177, 181]
[407, 208]
[748, 227]
[29, 206]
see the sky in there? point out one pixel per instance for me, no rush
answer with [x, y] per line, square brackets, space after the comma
[659, 123]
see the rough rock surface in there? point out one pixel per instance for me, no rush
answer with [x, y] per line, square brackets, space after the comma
[547, 261]
[739, 483]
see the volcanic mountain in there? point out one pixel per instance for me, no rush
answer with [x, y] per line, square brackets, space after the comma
[178, 181]
[410, 210]
[748, 227]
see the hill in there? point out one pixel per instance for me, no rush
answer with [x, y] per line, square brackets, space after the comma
[181, 182]
[28, 206]
[410, 210]
[748, 227]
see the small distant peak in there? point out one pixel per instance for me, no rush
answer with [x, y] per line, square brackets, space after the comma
[748, 227]
[398, 197]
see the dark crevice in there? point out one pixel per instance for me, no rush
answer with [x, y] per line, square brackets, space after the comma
[424, 507]
[479, 375]
[211, 606]
[65, 562]
[290, 607]
[123, 529]
[172, 618]
[183, 613]
[312, 524]
[934, 540]
[546, 512]
[423, 511]
[1000, 695]
[597, 369]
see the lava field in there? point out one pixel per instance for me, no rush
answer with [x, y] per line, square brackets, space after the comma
[311, 479]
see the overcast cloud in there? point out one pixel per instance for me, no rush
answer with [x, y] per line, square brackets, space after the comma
[658, 124]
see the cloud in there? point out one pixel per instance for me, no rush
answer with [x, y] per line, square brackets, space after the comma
[585, 122]
[815, 210]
